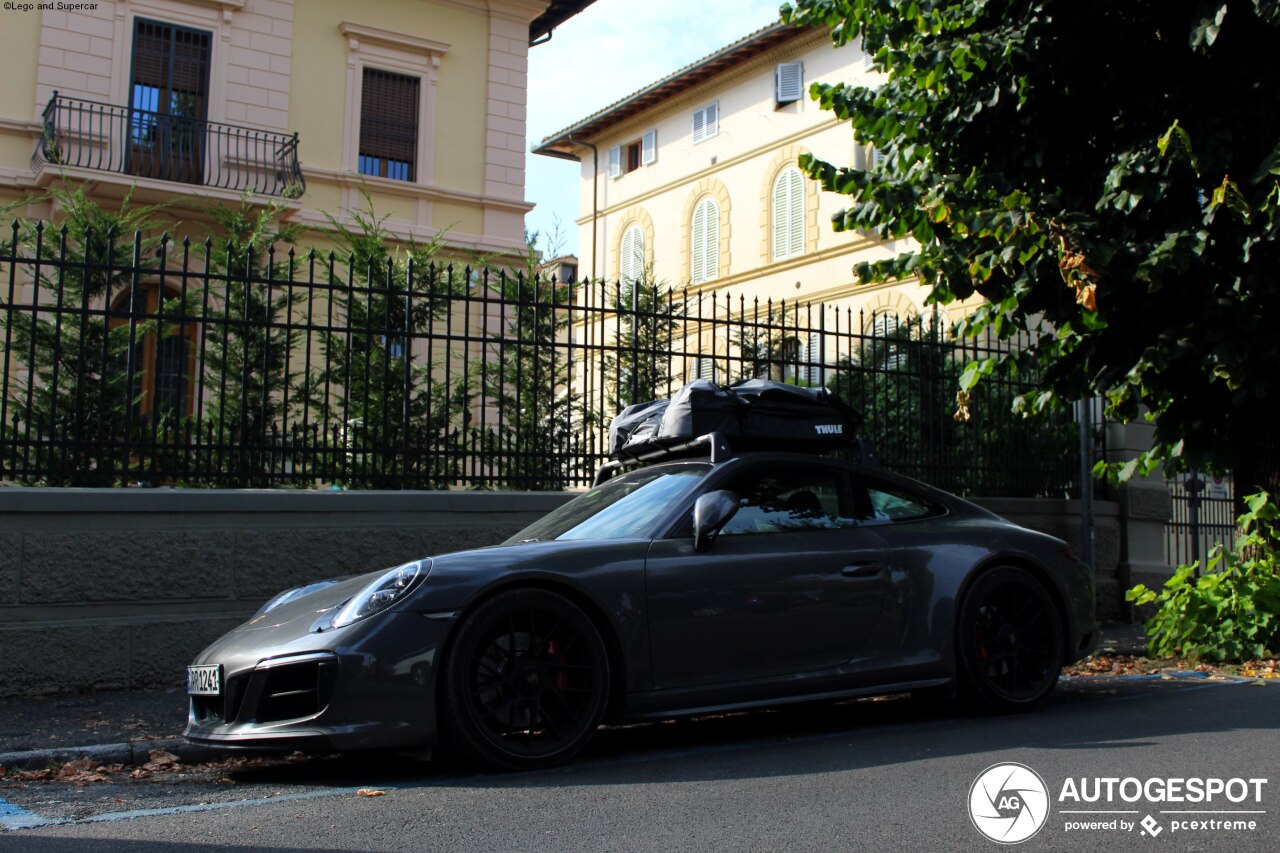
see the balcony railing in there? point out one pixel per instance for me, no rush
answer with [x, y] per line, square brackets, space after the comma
[168, 147]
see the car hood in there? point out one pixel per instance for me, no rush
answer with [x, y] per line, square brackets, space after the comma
[451, 578]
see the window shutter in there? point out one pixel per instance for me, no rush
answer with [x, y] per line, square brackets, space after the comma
[781, 211]
[704, 250]
[795, 201]
[706, 122]
[631, 264]
[615, 161]
[711, 252]
[649, 147]
[697, 248]
[788, 214]
[813, 365]
[879, 159]
[789, 82]
[706, 368]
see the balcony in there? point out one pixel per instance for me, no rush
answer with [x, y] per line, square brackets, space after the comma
[167, 147]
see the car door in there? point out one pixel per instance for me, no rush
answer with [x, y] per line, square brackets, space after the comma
[792, 584]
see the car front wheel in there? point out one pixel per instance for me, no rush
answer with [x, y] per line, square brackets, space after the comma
[526, 681]
[1009, 641]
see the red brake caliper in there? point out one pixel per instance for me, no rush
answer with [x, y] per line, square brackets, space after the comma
[562, 678]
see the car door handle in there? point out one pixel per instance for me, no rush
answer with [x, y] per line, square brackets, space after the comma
[863, 570]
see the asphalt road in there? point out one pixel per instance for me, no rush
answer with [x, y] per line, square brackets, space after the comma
[886, 775]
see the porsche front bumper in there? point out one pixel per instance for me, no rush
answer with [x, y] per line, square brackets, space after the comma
[369, 688]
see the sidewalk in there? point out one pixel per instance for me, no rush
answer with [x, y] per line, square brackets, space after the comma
[123, 727]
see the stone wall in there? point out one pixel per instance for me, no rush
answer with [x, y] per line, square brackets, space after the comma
[109, 589]
[106, 589]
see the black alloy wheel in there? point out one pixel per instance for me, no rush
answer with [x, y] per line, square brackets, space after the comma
[1009, 641]
[526, 682]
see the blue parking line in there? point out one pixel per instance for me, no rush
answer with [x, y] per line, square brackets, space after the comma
[23, 819]
[16, 817]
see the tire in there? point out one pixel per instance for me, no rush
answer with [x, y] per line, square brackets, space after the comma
[525, 682]
[1008, 641]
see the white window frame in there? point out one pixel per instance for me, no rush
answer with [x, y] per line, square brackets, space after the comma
[787, 226]
[706, 122]
[615, 162]
[704, 241]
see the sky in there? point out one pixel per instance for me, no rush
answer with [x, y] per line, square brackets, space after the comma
[603, 54]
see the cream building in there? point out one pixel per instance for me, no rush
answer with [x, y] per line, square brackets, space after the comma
[692, 182]
[421, 103]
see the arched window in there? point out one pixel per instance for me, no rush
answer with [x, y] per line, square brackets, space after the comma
[704, 239]
[788, 214]
[631, 255]
[887, 335]
[162, 358]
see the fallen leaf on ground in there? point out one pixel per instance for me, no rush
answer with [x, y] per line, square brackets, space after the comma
[370, 792]
[161, 760]
[35, 775]
[139, 773]
[82, 771]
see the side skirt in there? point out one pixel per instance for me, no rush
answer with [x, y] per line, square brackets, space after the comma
[636, 709]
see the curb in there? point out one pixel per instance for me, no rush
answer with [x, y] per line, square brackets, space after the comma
[132, 753]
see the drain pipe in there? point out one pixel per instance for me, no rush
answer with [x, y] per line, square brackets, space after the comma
[595, 196]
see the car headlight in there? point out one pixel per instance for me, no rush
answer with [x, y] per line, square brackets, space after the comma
[381, 594]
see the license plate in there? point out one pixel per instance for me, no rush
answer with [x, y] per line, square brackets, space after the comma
[204, 680]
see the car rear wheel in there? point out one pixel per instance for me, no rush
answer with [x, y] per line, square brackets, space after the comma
[526, 682]
[1009, 641]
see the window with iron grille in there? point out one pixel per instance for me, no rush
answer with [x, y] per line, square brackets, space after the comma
[389, 125]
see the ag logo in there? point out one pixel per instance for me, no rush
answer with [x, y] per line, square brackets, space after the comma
[1008, 803]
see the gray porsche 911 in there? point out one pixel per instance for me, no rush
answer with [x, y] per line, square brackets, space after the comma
[677, 588]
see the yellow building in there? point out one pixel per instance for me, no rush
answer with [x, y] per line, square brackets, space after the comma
[692, 182]
[420, 103]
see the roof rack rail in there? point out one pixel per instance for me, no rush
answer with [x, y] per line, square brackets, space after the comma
[717, 446]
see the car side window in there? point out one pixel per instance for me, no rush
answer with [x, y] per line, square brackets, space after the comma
[894, 505]
[786, 499]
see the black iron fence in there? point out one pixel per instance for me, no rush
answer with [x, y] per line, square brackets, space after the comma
[1203, 516]
[169, 146]
[131, 363]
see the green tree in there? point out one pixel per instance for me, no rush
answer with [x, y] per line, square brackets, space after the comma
[79, 363]
[1105, 176]
[639, 367]
[526, 380]
[251, 343]
[393, 416]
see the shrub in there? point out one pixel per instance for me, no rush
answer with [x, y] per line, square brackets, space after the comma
[1232, 611]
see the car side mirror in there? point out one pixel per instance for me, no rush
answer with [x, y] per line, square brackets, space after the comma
[710, 514]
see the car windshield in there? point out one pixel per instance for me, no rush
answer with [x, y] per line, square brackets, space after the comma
[620, 509]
